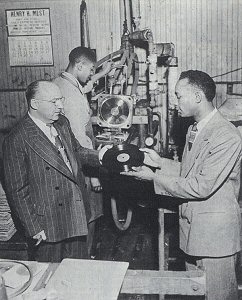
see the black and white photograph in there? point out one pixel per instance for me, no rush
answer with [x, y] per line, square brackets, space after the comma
[120, 149]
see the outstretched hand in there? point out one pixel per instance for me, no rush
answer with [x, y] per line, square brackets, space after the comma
[107, 67]
[140, 173]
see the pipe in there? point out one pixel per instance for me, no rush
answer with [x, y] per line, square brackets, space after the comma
[136, 14]
[136, 75]
[108, 57]
[125, 14]
[171, 83]
[164, 125]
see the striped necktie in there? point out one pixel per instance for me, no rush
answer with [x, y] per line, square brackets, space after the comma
[192, 136]
[59, 145]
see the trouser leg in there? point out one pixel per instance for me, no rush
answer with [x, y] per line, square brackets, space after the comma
[90, 237]
[75, 247]
[221, 281]
[48, 252]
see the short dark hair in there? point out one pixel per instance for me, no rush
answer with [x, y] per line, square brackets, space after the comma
[81, 53]
[33, 89]
[201, 80]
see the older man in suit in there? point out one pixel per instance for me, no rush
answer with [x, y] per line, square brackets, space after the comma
[43, 173]
[207, 180]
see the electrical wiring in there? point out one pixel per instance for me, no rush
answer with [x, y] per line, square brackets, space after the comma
[227, 72]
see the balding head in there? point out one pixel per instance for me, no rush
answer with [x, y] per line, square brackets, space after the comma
[45, 100]
[36, 88]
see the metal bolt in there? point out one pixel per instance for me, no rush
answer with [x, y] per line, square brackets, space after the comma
[195, 288]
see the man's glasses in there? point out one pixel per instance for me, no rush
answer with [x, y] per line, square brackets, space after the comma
[54, 101]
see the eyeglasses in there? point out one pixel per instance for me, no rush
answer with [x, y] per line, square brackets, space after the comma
[54, 101]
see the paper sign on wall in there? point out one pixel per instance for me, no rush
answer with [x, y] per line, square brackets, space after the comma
[29, 37]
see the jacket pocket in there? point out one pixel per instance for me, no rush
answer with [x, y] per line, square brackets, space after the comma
[40, 210]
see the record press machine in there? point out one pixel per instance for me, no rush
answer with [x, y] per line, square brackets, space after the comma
[138, 110]
[135, 104]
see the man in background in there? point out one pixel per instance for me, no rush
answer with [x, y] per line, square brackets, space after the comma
[43, 174]
[74, 83]
[207, 181]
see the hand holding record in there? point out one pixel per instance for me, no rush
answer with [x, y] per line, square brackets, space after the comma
[140, 173]
[122, 157]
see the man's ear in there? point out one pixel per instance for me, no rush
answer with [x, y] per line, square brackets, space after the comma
[34, 104]
[79, 66]
[199, 96]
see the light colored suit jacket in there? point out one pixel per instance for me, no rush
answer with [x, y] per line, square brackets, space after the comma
[41, 190]
[208, 186]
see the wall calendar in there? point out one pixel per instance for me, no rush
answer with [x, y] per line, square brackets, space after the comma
[29, 37]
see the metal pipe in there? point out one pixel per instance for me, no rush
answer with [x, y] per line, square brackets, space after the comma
[136, 13]
[171, 83]
[127, 14]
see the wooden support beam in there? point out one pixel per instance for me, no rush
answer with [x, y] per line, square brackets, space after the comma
[164, 282]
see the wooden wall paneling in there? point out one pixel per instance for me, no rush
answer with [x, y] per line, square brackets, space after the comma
[206, 34]
[13, 106]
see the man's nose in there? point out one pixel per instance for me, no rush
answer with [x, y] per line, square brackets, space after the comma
[59, 104]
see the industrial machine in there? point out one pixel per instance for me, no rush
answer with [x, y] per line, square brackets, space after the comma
[132, 110]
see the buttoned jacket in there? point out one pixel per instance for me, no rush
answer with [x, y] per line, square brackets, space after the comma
[208, 186]
[42, 191]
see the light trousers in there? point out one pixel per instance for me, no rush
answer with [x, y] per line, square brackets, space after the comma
[221, 281]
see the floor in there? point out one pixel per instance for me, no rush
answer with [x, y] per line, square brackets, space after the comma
[138, 245]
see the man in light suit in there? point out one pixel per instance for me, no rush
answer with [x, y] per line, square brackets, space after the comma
[207, 180]
[43, 174]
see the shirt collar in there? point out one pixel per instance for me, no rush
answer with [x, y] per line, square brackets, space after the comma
[204, 121]
[73, 79]
[42, 126]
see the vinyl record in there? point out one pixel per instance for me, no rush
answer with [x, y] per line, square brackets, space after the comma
[114, 111]
[122, 157]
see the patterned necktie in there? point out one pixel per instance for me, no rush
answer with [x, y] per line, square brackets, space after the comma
[192, 136]
[59, 145]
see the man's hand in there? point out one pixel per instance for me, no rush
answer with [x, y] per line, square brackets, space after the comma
[141, 173]
[107, 67]
[152, 158]
[39, 237]
[95, 185]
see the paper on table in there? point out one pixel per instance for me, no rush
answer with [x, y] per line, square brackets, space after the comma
[88, 279]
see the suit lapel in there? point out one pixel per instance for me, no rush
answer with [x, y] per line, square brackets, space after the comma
[189, 157]
[38, 141]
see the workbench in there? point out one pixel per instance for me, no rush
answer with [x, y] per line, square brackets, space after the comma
[145, 281]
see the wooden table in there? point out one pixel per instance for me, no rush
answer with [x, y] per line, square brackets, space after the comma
[154, 282]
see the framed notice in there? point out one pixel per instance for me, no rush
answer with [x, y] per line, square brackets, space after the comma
[28, 21]
[29, 37]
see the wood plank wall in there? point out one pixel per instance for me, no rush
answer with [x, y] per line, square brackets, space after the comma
[207, 35]
[65, 27]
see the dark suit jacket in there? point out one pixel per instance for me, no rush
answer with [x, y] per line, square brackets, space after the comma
[209, 183]
[41, 190]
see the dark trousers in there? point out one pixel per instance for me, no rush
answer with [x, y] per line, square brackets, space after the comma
[75, 247]
[221, 282]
